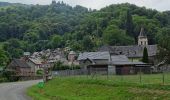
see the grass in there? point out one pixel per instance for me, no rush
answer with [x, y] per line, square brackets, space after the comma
[100, 88]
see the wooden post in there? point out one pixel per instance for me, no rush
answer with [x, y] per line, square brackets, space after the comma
[140, 75]
[163, 77]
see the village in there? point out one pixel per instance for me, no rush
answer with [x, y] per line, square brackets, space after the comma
[84, 50]
[112, 60]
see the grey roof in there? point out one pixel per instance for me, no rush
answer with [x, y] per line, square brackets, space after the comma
[94, 55]
[119, 58]
[19, 63]
[127, 63]
[130, 51]
[123, 60]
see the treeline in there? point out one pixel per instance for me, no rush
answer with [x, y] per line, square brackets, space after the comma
[38, 27]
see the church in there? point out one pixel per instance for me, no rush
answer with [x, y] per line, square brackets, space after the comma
[134, 52]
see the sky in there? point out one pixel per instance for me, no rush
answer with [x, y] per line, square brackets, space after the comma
[160, 5]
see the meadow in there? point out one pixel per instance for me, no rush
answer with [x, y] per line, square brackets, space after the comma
[128, 87]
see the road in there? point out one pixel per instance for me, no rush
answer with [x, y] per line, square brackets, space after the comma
[15, 90]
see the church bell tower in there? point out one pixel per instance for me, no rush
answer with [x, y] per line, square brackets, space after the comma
[142, 38]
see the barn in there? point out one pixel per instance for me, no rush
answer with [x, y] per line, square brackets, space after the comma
[105, 63]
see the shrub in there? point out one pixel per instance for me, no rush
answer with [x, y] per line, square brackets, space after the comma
[39, 72]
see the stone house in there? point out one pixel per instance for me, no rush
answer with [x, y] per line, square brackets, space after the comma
[20, 67]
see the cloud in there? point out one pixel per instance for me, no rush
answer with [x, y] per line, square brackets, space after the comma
[97, 4]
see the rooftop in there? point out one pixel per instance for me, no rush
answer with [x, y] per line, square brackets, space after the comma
[94, 55]
[130, 51]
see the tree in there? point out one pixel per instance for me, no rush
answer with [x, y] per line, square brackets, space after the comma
[164, 44]
[14, 48]
[3, 58]
[56, 41]
[31, 37]
[145, 56]
[87, 43]
[115, 36]
[129, 24]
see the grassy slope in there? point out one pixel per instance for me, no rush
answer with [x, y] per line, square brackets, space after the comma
[88, 89]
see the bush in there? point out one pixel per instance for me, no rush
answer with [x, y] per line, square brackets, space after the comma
[39, 72]
[10, 76]
[75, 67]
[60, 66]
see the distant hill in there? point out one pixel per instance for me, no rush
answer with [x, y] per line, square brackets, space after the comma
[59, 25]
[3, 4]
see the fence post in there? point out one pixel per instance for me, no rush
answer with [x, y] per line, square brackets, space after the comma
[121, 74]
[107, 74]
[163, 77]
[140, 75]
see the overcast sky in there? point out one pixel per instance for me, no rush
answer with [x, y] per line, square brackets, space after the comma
[160, 5]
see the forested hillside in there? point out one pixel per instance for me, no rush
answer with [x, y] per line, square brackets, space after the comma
[37, 27]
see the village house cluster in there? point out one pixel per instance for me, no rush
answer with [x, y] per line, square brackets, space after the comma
[29, 64]
[108, 59]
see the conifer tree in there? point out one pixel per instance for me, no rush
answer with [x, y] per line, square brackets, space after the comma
[129, 24]
[145, 56]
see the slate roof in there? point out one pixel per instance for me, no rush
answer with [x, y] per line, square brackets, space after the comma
[94, 55]
[127, 63]
[123, 60]
[130, 51]
[19, 63]
[142, 33]
[119, 58]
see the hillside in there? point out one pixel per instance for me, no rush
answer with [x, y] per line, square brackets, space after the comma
[2, 4]
[37, 27]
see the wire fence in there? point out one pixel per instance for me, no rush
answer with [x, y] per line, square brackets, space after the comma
[127, 75]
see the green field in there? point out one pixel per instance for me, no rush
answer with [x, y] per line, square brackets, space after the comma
[100, 88]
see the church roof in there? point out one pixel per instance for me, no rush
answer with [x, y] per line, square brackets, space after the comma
[130, 51]
[142, 33]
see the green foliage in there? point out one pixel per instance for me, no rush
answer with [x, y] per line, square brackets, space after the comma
[10, 76]
[87, 43]
[145, 58]
[60, 66]
[14, 47]
[39, 72]
[164, 44]
[38, 27]
[56, 41]
[114, 36]
[3, 58]
[129, 24]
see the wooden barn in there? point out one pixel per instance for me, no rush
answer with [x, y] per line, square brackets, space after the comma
[104, 63]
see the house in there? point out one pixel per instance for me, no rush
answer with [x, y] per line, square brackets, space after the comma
[20, 67]
[105, 63]
[134, 52]
[35, 64]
